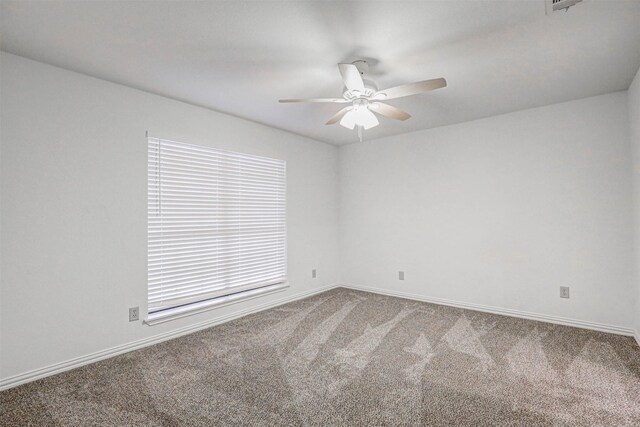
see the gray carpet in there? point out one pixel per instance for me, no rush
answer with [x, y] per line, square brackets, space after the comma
[347, 358]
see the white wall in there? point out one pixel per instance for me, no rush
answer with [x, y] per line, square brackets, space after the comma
[499, 212]
[634, 134]
[74, 161]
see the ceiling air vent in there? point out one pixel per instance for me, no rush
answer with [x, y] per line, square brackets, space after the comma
[557, 5]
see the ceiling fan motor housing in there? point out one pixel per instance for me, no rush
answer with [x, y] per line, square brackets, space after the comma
[370, 87]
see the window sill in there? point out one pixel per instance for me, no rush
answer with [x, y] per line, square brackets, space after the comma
[199, 307]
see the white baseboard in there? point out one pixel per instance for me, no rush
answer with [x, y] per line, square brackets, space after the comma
[502, 311]
[15, 380]
[56, 368]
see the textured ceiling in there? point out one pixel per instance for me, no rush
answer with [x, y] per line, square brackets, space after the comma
[240, 57]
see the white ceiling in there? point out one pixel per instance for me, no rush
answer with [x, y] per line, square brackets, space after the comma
[240, 57]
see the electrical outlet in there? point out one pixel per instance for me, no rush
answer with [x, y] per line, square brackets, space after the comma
[313, 274]
[564, 292]
[134, 314]
[400, 275]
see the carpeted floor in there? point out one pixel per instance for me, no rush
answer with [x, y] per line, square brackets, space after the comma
[347, 358]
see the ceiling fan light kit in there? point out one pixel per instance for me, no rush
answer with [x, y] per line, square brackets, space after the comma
[364, 97]
[359, 115]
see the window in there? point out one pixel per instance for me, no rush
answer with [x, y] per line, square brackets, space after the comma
[216, 227]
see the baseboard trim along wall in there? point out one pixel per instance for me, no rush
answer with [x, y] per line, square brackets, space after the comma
[56, 368]
[502, 311]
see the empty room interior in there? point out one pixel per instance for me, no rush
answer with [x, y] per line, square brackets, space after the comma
[320, 213]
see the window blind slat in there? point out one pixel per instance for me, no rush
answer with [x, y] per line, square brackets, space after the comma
[205, 283]
[194, 261]
[188, 254]
[216, 223]
[200, 234]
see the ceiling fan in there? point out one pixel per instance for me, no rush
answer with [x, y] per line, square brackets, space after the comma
[364, 98]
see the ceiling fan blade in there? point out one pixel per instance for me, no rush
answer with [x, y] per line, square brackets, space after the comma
[351, 77]
[337, 116]
[389, 111]
[336, 100]
[410, 89]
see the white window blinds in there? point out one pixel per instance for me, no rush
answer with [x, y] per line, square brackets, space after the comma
[216, 223]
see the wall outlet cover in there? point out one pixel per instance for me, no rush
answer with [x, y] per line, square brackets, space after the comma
[564, 292]
[400, 275]
[134, 314]
[314, 274]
